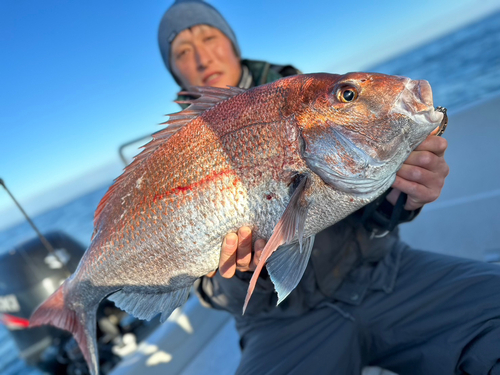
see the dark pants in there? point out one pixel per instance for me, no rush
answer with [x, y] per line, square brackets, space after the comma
[443, 317]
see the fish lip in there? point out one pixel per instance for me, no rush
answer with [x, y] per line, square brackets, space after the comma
[432, 116]
[416, 102]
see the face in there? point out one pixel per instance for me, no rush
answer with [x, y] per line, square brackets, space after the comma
[203, 56]
[360, 127]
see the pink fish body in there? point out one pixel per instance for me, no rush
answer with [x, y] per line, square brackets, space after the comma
[287, 159]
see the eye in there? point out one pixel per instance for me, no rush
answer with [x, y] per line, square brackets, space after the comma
[179, 54]
[347, 94]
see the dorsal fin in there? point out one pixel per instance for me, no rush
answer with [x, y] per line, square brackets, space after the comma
[205, 98]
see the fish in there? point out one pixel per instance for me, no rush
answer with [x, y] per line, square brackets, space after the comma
[287, 159]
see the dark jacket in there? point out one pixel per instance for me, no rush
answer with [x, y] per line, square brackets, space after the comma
[347, 259]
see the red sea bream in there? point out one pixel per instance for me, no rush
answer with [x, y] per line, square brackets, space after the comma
[287, 159]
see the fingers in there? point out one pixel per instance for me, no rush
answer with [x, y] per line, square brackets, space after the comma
[429, 161]
[418, 194]
[258, 247]
[236, 253]
[429, 179]
[436, 145]
[421, 184]
[244, 251]
[227, 262]
[423, 174]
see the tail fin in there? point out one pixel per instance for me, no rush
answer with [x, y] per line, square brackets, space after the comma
[55, 311]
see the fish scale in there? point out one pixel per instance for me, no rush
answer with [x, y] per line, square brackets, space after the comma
[217, 198]
[287, 159]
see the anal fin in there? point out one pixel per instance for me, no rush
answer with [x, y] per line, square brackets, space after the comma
[287, 265]
[147, 305]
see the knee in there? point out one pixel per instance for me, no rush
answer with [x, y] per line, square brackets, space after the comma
[480, 355]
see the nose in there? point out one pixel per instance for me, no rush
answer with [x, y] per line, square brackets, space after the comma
[416, 100]
[203, 57]
[418, 95]
[423, 91]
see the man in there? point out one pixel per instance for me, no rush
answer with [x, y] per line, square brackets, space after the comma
[365, 298]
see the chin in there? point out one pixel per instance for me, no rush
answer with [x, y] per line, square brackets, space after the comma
[225, 82]
[221, 84]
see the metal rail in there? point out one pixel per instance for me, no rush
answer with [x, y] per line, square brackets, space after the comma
[123, 146]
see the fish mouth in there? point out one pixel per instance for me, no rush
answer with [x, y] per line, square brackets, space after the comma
[416, 102]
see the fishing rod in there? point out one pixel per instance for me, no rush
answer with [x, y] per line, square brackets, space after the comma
[44, 241]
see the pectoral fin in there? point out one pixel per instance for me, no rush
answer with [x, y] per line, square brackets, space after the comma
[287, 265]
[290, 226]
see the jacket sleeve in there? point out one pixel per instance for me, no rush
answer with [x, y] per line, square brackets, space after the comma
[381, 216]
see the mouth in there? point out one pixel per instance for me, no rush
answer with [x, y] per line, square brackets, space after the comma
[416, 102]
[211, 78]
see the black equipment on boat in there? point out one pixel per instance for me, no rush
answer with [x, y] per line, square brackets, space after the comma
[29, 273]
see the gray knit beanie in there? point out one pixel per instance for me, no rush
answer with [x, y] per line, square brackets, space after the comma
[188, 13]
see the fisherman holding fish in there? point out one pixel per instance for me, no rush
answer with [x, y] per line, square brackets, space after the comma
[365, 297]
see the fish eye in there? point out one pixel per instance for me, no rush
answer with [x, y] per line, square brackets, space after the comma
[347, 94]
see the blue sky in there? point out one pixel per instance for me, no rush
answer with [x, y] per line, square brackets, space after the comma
[80, 78]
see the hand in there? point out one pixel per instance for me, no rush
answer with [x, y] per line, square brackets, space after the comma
[236, 253]
[422, 175]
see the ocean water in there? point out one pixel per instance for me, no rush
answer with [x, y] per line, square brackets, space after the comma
[463, 68]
